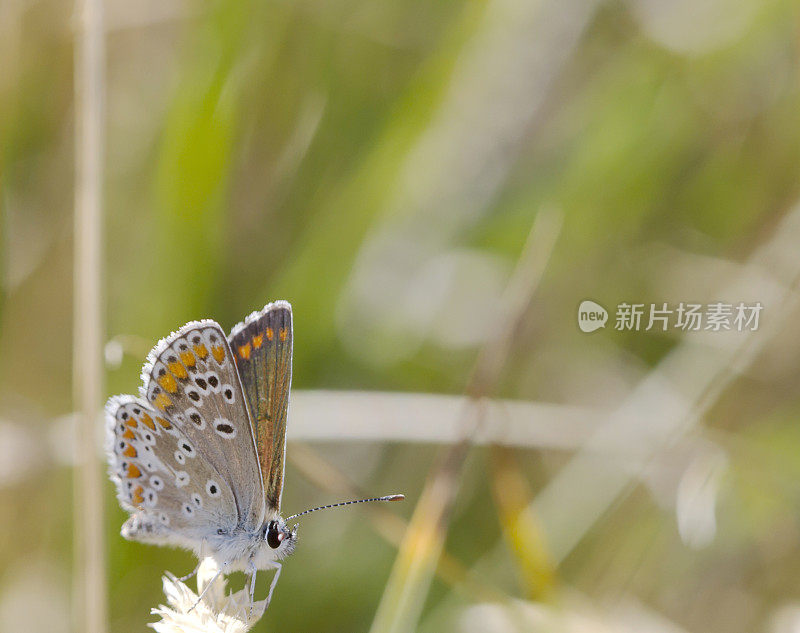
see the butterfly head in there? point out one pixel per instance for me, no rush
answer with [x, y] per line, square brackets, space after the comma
[280, 538]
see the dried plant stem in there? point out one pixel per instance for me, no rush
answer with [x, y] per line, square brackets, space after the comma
[422, 547]
[319, 415]
[89, 581]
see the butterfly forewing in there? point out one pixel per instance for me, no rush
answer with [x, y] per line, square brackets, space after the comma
[262, 347]
[191, 380]
[174, 495]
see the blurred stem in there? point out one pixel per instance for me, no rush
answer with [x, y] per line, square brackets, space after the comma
[521, 530]
[516, 300]
[422, 547]
[670, 401]
[89, 564]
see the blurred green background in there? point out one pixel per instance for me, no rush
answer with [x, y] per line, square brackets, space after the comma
[380, 165]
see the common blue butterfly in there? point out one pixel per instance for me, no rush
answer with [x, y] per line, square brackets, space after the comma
[198, 457]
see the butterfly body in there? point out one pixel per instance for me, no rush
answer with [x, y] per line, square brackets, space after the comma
[236, 550]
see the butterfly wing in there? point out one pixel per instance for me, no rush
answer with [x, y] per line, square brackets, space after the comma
[174, 495]
[190, 379]
[262, 347]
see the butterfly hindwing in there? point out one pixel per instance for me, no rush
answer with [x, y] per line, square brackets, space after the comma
[191, 380]
[173, 494]
[262, 348]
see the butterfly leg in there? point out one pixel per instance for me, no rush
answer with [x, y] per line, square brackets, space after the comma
[206, 588]
[252, 572]
[190, 574]
[273, 583]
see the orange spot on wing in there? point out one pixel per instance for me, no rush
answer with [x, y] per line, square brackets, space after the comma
[284, 333]
[162, 401]
[136, 497]
[133, 472]
[244, 350]
[129, 451]
[188, 359]
[131, 422]
[218, 353]
[201, 350]
[128, 434]
[270, 334]
[167, 382]
[148, 422]
[258, 339]
[178, 369]
[163, 423]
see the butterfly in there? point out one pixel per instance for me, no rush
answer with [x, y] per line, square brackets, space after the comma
[198, 457]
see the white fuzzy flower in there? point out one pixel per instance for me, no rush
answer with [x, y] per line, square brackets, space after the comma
[217, 612]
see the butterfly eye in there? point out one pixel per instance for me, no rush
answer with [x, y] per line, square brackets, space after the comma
[274, 536]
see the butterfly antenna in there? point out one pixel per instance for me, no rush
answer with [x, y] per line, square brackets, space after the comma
[347, 503]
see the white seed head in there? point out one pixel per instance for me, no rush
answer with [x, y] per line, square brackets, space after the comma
[217, 612]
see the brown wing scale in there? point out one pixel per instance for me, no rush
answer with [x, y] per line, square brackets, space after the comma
[262, 349]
